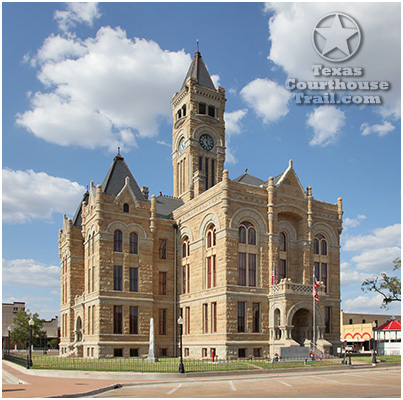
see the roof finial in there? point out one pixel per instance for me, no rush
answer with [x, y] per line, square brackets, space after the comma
[118, 150]
[197, 45]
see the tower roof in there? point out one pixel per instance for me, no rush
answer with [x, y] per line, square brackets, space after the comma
[198, 71]
[116, 177]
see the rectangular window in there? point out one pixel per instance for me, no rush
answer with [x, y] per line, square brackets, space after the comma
[93, 279]
[134, 352]
[89, 320]
[214, 317]
[163, 352]
[256, 317]
[133, 279]
[186, 351]
[211, 111]
[89, 279]
[206, 172]
[283, 269]
[162, 283]
[242, 269]
[202, 108]
[213, 272]
[212, 172]
[163, 249]
[187, 320]
[117, 352]
[317, 272]
[252, 269]
[241, 353]
[323, 276]
[93, 319]
[200, 163]
[327, 319]
[241, 316]
[184, 279]
[117, 319]
[162, 318]
[205, 318]
[208, 272]
[188, 279]
[257, 352]
[134, 320]
[204, 352]
[117, 278]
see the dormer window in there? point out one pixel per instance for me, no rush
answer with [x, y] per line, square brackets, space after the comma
[125, 208]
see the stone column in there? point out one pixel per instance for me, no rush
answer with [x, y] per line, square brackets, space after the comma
[151, 350]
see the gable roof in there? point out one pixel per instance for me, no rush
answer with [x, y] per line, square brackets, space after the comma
[249, 179]
[198, 71]
[166, 205]
[116, 177]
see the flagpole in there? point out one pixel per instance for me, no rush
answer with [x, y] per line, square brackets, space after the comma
[273, 284]
[314, 316]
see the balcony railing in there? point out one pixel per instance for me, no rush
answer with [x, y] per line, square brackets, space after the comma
[285, 286]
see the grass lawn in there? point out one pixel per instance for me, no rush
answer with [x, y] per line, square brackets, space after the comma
[171, 365]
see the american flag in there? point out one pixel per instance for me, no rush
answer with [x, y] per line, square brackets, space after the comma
[274, 280]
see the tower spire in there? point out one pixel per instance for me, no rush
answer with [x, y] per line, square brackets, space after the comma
[197, 46]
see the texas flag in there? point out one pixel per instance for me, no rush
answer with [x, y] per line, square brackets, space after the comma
[274, 280]
[315, 285]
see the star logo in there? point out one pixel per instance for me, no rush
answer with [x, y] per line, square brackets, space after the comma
[336, 37]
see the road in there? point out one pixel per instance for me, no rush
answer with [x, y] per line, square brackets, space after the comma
[374, 382]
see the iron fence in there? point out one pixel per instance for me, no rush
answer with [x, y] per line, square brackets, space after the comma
[20, 360]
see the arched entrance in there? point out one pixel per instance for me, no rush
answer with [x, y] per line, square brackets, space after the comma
[302, 322]
[79, 327]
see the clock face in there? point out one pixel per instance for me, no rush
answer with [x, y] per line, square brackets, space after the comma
[182, 146]
[206, 142]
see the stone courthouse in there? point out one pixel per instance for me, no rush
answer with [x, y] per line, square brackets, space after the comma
[213, 253]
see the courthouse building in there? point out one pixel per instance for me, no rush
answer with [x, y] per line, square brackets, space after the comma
[207, 253]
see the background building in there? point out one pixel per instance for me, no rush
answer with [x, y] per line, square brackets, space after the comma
[209, 254]
[8, 312]
[357, 329]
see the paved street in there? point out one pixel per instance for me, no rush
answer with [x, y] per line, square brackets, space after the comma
[377, 382]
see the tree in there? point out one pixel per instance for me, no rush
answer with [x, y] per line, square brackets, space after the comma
[20, 334]
[388, 286]
[53, 343]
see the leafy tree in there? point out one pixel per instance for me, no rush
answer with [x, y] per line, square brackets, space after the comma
[20, 334]
[53, 343]
[388, 286]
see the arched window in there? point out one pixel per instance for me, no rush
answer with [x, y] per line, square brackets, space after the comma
[282, 242]
[134, 241]
[125, 208]
[185, 266]
[117, 240]
[320, 245]
[320, 259]
[185, 247]
[247, 255]
[211, 276]
[282, 270]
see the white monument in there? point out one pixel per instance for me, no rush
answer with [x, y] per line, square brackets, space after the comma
[151, 350]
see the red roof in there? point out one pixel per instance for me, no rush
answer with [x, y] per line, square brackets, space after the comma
[392, 325]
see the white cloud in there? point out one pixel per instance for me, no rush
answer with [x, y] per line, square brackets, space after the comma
[233, 121]
[353, 222]
[233, 126]
[216, 80]
[83, 13]
[368, 305]
[376, 260]
[103, 91]
[31, 195]
[268, 99]
[381, 237]
[352, 277]
[291, 43]
[381, 130]
[326, 122]
[27, 272]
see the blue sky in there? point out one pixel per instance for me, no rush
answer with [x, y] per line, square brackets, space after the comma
[81, 79]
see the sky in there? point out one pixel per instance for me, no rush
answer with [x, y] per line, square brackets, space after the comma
[82, 79]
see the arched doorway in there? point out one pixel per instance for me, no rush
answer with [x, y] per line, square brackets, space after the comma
[302, 322]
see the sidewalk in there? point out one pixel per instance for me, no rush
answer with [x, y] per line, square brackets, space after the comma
[67, 385]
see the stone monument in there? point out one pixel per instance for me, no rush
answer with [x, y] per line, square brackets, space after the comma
[151, 350]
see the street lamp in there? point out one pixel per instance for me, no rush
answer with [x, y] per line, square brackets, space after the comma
[9, 333]
[180, 323]
[31, 324]
[373, 343]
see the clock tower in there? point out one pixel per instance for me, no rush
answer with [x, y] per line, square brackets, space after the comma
[198, 136]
